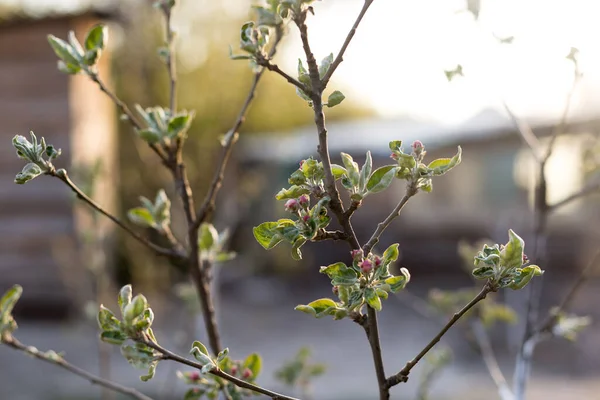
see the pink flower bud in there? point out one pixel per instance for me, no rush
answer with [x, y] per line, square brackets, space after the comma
[525, 258]
[246, 374]
[303, 200]
[301, 164]
[335, 289]
[377, 260]
[366, 266]
[306, 218]
[356, 254]
[394, 156]
[291, 205]
[417, 145]
[194, 376]
[234, 370]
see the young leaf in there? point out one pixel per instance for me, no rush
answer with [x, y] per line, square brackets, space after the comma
[372, 299]
[29, 172]
[338, 171]
[521, 279]
[352, 168]
[381, 178]
[64, 50]
[141, 217]
[325, 64]
[292, 193]
[398, 282]
[208, 236]
[335, 99]
[265, 235]
[125, 295]
[443, 165]
[254, 363]
[390, 254]
[512, 254]
[365, 172]
[96, 38]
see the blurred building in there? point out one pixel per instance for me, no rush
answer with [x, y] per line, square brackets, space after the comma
[490, 192]
[39, 229]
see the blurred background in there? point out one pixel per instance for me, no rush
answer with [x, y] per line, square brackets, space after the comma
[394, 76]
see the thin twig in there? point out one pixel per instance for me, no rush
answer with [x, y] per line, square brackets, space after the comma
[208, 205]
[587, 190]
[171, 253]
[489, 359]
[127, 112]
[62, 363]
[402, 376]
[266, 63]
[526, 133]
[322, 234]
[410, 192]
[168, 355]
[170, 60]
[340, 57]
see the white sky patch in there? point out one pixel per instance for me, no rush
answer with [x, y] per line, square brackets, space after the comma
[397, 59]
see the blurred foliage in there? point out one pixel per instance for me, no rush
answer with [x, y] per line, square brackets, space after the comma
[300, 371]
[209, 83]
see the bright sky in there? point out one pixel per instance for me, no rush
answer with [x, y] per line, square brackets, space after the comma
[397, 60]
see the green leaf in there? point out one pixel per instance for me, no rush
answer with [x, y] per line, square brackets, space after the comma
[125, 295]
[64, 50]
[225, 256]
[107, 320]
[200, 353]
[395, 145]
[398, 282]
[512, 254]
[296, 253]
[335, 99]
[180, 124]
[265, 235]
[194, 394]
[29, 172]
[484, 272]
[113, 337]
[338, 171]
[8, 301]
[150, 135]
[151, 372]
[390, 254]
[67, 68]
[96, 38]
[372, 299]
[352, 168]
[381, 178]
[325, 64]
[208, 236]
[365, 172]
[222, 355]
[135, 308]
[292, 193]
[318, 308]
[340, 274]
[254, 363]
[443, 165]
[141, 217]
[522, 278]
[381, 293]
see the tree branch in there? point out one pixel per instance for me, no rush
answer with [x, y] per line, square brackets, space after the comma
[322, 234]
[526, 133]
[168, 355]
[410, 192]
[266, 63]
[170, 60]
[587, 190]
[170, 253]
[340, 57]
[208, 205]
[57, 360]
[402, 376]
[372, 330]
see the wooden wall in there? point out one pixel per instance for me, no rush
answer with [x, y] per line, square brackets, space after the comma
[71, 114]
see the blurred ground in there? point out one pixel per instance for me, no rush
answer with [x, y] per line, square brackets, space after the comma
[562, 370]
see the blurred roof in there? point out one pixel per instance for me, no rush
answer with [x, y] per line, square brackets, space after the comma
[14, 11]
[375, 134]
